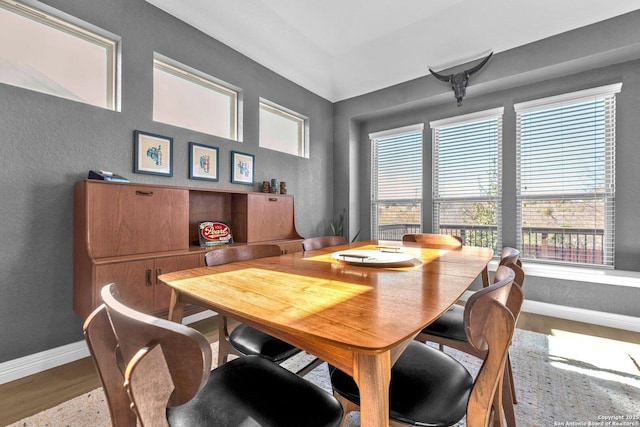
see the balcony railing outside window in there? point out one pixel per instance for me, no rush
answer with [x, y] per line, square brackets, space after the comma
[396, 231]
[580, 246]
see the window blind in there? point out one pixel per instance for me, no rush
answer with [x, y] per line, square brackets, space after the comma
[467, 177]
[396, 182]
[566, 177]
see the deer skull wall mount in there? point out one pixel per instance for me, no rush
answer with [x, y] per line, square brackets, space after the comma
[459, 81]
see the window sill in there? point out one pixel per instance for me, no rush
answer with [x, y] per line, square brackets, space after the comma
[624, 278]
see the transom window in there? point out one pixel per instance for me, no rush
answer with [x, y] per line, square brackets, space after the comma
[396, 182]
[467, 177]
[282, 129]
[51, 52]
[566, 177]
[185, 97]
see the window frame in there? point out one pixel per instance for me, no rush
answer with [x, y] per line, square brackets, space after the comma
[302, 135]
[605, 94]
[375, 200]
[191, 75]
[70, 25]
[464, 120]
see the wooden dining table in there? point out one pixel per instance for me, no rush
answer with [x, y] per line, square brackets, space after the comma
[356, 314]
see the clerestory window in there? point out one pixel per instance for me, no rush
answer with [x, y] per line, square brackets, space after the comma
[48, 51]
[188, 98]
[283, 130]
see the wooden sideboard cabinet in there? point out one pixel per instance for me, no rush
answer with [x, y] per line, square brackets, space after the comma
[129, 234]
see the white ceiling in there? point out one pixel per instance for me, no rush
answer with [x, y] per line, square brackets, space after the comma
[343, 48]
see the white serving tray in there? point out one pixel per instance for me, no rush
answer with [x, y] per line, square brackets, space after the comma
[372, 258]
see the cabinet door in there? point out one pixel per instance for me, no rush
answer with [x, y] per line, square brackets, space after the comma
[133, 219]
[162, 293]
[134, 280]
[270, 217]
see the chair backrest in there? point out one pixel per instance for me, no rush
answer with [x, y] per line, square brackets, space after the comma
[149, 385]
[516, 296]
[428, 240]
[498, 291]
[494, 325]
[103, 346]
[185, 351]
[510, 256]
[490, 326]
[241, 253]
[322, 242]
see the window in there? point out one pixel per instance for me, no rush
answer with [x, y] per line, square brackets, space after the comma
[185, 97]
[282, 130]
[467, 177]
[396, 182]
[50, 52]
[566, 177]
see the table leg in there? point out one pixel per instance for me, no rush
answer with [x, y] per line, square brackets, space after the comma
[176, 307]
[372, 373]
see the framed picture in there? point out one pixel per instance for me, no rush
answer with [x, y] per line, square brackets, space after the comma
[242, 168]
[203, 162]
[153, 154]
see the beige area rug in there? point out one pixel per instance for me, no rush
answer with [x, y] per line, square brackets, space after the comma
[561, 380]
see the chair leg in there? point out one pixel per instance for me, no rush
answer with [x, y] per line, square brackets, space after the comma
[223, 340]
[507, 397]
[348, 407]
[498, 408]
[512, 384]
[310, 367]
[224, 346]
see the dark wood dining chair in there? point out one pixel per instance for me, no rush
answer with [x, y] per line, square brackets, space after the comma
[449, 329]
[429, 240]
[245, 340]
[156, 372]
[322, 242]
[428, 387]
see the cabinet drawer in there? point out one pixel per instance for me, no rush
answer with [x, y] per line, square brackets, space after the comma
[130, 219]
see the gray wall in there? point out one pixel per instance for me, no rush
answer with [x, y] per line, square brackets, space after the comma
[601, 54]
[49, 143]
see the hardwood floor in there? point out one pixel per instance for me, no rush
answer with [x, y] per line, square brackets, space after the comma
[27, 396]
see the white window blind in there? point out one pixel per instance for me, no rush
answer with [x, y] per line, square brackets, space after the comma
[396, 182]
[467, 177]
[566, 177]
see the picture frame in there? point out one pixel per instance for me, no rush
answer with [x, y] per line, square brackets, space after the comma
[153, 154]
[204, 162]
[242, 168]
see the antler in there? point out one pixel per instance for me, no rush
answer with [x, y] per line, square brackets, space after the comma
[477, 68]
[440, 76]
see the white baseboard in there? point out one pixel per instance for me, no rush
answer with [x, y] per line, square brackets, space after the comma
[611, 320]
[38, 362]
[600, 318]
